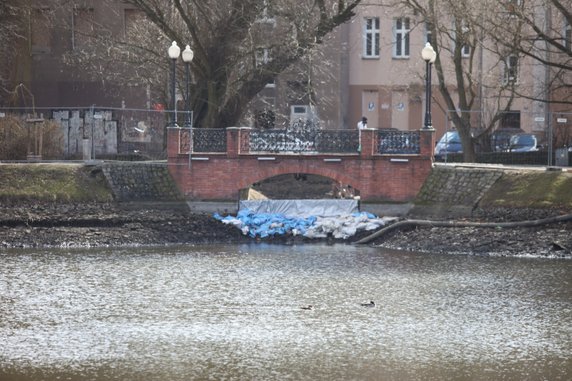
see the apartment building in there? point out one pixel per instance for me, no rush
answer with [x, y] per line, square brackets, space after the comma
[387, 74]
[57, 30]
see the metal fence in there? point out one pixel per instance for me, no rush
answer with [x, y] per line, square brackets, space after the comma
[95, 132]
[302, 141]
[68, 133]
[548, 137]
[398, 142]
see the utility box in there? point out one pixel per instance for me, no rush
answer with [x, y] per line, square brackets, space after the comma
[303, 113]
[562, 157]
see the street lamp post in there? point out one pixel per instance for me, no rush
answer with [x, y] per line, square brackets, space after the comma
[174, 52]
[429, 55]
[187, 58]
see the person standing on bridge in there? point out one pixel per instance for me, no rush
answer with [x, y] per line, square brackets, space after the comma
[361, 125]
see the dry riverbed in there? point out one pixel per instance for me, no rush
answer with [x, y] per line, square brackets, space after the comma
[98, 225]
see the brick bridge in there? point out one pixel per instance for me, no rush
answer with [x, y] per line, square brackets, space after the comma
[383, 165]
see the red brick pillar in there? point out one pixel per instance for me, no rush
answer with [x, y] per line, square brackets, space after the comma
[232, 141]
[427, 142]
[173, 141]
[367, 141]
[244, 140]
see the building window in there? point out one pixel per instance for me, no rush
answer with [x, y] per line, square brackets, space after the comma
[267, 15]
[466, 51]
[262, 57]
[132, 19]
[513, 7]
[83, 27]
[401, 33]
[466, 48]
[41, 38]
[429, 33]
[510, 119]
[511, 69]
[371, 38]
[460, 34]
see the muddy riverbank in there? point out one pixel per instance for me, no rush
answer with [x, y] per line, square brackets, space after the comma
[108, 224]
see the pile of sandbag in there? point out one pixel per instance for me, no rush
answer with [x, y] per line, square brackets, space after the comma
[270, 224]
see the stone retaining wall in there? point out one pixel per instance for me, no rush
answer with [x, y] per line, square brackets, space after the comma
[454, 191]
[141, 181]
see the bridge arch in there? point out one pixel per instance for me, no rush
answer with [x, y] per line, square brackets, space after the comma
[329, 174]
[300, 185]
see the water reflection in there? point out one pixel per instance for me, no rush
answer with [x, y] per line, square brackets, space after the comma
[234, 312]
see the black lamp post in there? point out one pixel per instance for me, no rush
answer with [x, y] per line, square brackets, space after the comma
[174, 52]
[429, 55]
[187, 58]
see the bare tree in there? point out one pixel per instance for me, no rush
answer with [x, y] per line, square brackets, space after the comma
[544, 35]
[227, 37]
[12, 33]
[466, 83]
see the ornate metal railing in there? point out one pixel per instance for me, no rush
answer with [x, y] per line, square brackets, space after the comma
[300, 141]
[209, 139]
[398, 142]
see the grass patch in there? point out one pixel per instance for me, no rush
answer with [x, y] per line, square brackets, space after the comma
[531, 190]
[52, 183]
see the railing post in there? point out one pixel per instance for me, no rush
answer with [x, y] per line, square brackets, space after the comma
[426, 142]
[244, 140]
[232, 141]
[367, 142]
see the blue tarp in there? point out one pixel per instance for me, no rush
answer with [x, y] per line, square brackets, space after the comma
[270, 224]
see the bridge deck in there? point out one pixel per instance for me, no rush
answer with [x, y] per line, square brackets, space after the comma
[384, 165]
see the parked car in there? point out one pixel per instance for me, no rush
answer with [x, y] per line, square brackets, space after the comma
[449, 143]
[523, 143]
[500, 139]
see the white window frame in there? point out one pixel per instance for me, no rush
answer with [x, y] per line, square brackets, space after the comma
[401, 37]
[371, 37]
[466, 48]
[511, 70]
[75, 17]
[466, 51]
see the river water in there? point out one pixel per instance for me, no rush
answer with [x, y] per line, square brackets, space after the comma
[228, 312]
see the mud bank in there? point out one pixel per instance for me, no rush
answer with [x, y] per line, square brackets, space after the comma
[102, 225]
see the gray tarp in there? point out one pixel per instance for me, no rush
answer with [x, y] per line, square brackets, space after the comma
[302, 208]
